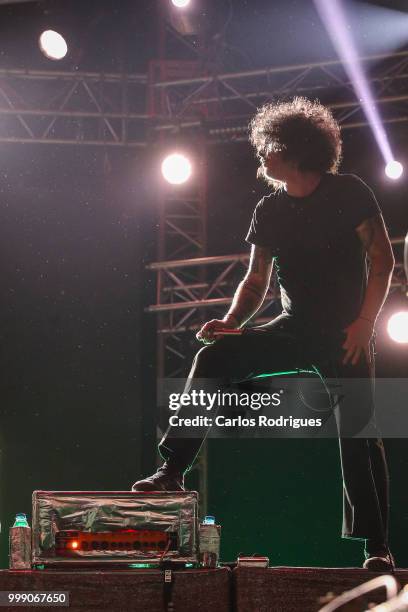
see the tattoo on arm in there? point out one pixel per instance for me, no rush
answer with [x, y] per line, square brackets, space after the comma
[250, 297]
[251, 291]
[375, 240]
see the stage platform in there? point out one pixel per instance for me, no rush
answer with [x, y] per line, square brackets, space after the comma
[296, 589]
[278, 589]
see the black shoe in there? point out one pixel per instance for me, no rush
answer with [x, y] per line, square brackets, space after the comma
[380, 562]
[166, 478]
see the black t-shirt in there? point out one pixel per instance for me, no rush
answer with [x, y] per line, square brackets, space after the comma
[320, 261]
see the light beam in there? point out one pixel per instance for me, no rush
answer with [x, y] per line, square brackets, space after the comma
[333, 17]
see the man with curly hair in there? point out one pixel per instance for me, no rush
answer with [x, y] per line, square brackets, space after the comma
[318, 228]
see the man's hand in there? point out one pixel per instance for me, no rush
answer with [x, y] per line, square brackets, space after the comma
[359, 334]
[248, 297]
[206, 333]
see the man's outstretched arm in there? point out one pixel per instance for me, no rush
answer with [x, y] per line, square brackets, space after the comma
[374, 237]
[248, 297]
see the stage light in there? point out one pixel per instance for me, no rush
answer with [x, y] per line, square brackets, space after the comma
[53, 45]
[394, 169]
[181, 3]
[397, 327]
[176, 169]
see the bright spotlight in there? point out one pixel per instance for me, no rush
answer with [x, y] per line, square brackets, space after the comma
[53, 45]
[394, 169]
[176, 169]
[181, 3]
[398, 327]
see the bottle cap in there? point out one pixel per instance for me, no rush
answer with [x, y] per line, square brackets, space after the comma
[21, 520]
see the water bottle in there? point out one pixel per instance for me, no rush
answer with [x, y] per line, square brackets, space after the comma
[20, 544]
[209, 542]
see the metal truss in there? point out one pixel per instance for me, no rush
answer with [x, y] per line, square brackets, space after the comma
[75, 108]
[182, 233]
[182, 209]
[13, 1]
[127, 110]
[185, 300]
[237, 95]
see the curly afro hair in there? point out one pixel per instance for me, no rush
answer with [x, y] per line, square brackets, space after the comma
[304, 131]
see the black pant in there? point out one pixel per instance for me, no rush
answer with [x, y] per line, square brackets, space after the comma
[285, 344]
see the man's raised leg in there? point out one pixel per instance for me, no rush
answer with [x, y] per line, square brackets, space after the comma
[229, 360]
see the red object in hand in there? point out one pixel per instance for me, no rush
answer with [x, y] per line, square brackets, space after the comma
[227, 332]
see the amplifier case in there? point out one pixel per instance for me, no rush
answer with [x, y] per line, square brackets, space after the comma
[110, 511]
